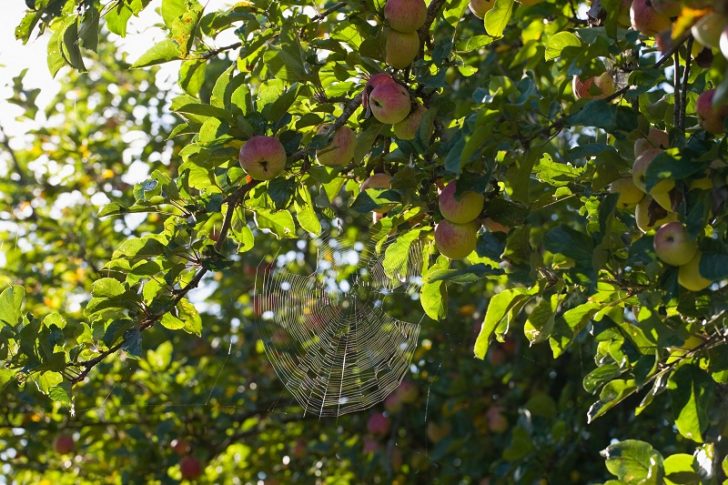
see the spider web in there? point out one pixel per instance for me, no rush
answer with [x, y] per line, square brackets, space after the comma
[329, 336]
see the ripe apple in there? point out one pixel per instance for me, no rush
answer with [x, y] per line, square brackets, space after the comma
[655, 139]
[401, 48]
[455, 241]
[405, 15]
[374, 81]
[646, 19]
[689, 277]
[378, 424]
[480, 7]
[377, 181]
[673, 244]
[708, 28]
[341, 149]
[668, 8]
[181, 447]
[390, 103]
[460, 208]
[190, 467]
[711, 118]
[64, 444]
[597, 87]
[407, 129]
[648, 214]
[263, 157]
[641, 163]
[629, 193]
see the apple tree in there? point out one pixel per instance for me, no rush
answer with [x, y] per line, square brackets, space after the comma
[562, 165]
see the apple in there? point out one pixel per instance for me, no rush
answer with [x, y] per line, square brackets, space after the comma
[723, 42]
[407, 128]
[190, 467]
[648, 214]
[378, 424]
[460, 208]
[494, 226]
[390, 103]
[371, 445]
[401, 48]
[480, 7]
[379, 181]
[668, 8]
[629, 193]
[263, 157]
[639, 168]
[597, 87]
[655, 139]
[646, 19]
[375, 80]
[708, 28]
[299, 449]
[689, 277]
[661, 193]
[455, 241]
[405, 15]
[64, 444]
[341, 149]
[181, 446]
[673, 244]
[711, 118]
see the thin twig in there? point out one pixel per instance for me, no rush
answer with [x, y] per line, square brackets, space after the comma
[686, 79]
[676, 88]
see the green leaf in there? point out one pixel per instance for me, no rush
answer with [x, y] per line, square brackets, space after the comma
[633, 461]
[558, 42]
[107, 287]
[305, 212]
[164, 51]
[714, 266]
[54, 319]
[602, 114]
[540, 321]
[692, 392]
[70, 48]
[190, 316]
[497, 18]
[433, 294]
[400, 255]
[611, 394]
[59, 394]
[680, 468]
[11, 302]
[280, 223]
[172, 10]
[498, 308]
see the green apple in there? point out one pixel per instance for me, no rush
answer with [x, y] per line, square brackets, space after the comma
[712, 118]
[480, 7]
[340, 151]
[401, 48]
[689, 277]
[405, 15]
[455, 241]
[708, 28]
[648, 215]
[597, 87]
[407, 129]
[629, 193]
[460, 208]
[639, 168]
[262, 157]
[390, 103]
[673, 244]
[646, 19]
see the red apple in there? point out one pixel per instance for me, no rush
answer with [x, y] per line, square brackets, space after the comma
[341, 149]
[390, 103]
[405, 15]
[181, 447]
[460, 208]
[263, 157]
[64, 444]
[646, 19]
[597, 87]
[455, 241]
[407, 129]
[374, 81]
[712, 118]
[190, 467]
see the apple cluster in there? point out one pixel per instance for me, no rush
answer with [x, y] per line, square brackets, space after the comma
[654, 211]
[404, 17]
[457, 233]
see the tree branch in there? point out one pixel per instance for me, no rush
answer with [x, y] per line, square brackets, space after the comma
[684, 93]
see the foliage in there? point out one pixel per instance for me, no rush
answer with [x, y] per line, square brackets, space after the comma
[585, 342]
